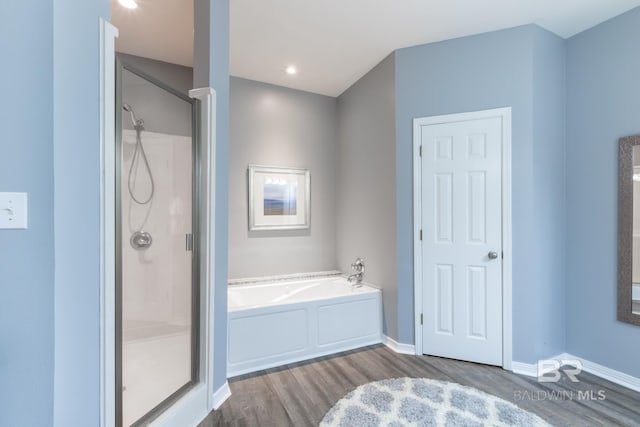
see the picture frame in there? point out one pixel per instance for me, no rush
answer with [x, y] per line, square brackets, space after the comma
[279, 198]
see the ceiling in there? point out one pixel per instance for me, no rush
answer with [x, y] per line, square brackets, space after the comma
[143, 31]
[335, 42]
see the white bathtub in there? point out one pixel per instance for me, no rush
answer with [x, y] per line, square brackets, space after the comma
[272, 324]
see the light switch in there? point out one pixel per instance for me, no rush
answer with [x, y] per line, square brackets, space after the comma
[13, 210]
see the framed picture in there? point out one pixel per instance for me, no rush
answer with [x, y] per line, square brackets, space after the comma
[279, 198]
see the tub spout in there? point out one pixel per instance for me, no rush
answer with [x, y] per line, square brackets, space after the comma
[355, 280]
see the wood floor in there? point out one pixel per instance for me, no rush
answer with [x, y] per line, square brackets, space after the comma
[300, 394]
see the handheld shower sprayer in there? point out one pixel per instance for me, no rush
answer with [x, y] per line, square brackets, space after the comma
[136, 123]
[140, 240]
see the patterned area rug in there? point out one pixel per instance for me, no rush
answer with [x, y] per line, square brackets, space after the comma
[423, 402]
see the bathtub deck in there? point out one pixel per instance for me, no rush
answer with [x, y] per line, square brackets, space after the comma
[300, 394]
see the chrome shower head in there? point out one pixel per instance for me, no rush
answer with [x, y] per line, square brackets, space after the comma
[136, 123]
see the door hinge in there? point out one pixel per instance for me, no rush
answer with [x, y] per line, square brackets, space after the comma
[421, 318]
[420, 234]
[421, 151]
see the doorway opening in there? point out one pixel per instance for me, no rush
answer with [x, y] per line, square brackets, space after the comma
[157, 246]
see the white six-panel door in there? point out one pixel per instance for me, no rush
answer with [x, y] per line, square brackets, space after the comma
[461, 222]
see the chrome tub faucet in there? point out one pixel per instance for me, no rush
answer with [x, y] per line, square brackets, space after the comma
[356, 278]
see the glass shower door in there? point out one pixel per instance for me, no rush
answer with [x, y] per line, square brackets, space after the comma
[157, 264]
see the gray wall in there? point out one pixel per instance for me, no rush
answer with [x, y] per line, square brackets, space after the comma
[603, 75]
[177, 76]
[275, 126]
[161, 110]
[493, 70]
[26, 256]
[366, 203]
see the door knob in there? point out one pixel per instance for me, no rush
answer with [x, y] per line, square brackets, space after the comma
[492, 255]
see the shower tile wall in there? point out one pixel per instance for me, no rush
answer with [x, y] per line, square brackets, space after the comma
[157, 295]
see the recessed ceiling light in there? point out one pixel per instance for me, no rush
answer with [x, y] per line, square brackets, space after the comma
[291, 70]
[129, 4]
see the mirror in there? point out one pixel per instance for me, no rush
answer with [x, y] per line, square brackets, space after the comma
[629, 230]
[635, 254]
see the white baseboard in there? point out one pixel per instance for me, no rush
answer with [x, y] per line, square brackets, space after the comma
[521, 368]
[397, 346]
[531, 369]
[220, 395]
[617, 377]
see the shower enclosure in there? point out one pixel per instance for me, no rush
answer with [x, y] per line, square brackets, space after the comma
[157, 257]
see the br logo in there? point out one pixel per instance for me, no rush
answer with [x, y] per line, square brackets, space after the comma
[549, 370]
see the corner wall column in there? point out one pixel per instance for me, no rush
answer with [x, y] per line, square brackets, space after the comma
[211, 70]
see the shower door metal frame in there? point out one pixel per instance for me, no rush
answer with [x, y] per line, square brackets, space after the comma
[196, 345]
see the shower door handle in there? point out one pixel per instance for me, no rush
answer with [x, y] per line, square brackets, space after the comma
[188, 242]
